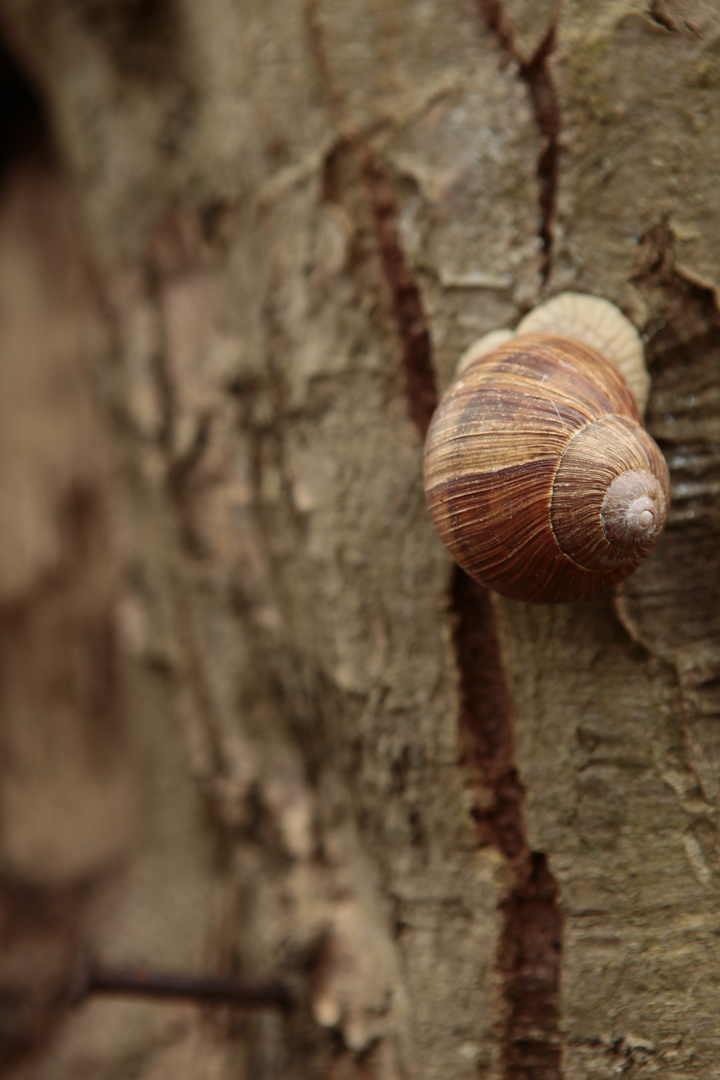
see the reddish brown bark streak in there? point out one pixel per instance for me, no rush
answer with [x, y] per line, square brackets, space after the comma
[530, 950]
[536, 75]
[413, 332]
[529, 953]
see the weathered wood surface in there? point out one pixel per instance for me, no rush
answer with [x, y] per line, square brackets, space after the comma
[479, 838]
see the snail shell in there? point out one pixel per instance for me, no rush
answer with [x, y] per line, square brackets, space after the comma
[539, 475]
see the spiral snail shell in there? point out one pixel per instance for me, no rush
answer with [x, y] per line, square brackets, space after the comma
[539, 475]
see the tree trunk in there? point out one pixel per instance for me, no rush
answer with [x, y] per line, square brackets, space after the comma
[474, 837]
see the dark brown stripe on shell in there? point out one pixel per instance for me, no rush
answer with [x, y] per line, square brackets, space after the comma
[506, 541]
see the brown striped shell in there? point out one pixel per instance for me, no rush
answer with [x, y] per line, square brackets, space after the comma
[539, 475]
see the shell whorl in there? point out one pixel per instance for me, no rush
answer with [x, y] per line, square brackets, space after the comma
[539, 475]
[634, 510]
[609, 498]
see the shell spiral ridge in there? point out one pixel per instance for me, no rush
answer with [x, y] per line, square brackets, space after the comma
[610, 475]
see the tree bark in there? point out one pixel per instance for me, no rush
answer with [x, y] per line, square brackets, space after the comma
[474, 837]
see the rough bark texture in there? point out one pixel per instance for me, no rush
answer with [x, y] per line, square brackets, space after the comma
[65, 789]
[478, 838]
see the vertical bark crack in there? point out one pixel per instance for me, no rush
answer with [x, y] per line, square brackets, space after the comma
[536, 75]
[412, 327]
[530, 946]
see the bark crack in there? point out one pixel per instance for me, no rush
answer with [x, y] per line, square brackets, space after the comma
[406, 298]
[530, 946]
[661, 14]
[537, 76]
[412, 327]
[661, 17]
